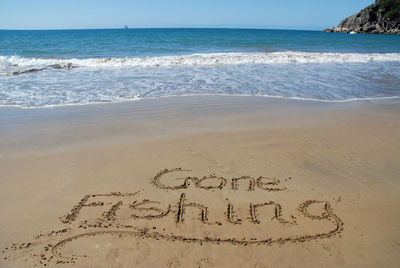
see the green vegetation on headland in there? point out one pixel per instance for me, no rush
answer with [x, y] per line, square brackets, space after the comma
[391, 8]
[381, 17]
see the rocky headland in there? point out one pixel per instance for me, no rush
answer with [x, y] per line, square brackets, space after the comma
[383, 17]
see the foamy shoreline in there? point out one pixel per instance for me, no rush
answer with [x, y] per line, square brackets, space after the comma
[206, 95]
[317, 76]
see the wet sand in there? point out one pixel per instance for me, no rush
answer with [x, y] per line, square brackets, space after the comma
[201, 182]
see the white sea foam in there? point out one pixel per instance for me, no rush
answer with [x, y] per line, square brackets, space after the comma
[44, 85]
[370, 99]
[209, 59]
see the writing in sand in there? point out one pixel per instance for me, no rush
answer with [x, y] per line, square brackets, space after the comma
[240, 211]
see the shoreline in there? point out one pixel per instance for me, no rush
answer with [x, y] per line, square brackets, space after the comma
[367, 99]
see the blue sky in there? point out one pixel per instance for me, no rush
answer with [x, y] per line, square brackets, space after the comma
[78, 14]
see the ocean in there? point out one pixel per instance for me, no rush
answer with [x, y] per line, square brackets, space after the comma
[78, 67]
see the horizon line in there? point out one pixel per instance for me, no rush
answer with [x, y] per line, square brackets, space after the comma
[133, 28]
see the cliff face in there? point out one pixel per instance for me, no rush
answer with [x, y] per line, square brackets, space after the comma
[381, 17]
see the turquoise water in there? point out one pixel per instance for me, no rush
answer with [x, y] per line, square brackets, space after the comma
[161, 42]
[73, 67]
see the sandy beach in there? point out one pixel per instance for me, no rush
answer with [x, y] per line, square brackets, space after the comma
[201, 181]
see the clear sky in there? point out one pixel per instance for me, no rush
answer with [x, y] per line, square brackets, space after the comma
[84, 14]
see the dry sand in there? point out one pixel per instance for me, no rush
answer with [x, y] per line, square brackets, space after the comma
[201, 182]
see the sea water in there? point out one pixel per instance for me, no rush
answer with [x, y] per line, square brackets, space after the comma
[75, 67]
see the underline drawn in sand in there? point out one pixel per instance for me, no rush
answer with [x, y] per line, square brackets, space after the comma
[177, 215]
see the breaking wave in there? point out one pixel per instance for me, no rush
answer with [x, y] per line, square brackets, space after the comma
[9, 63]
